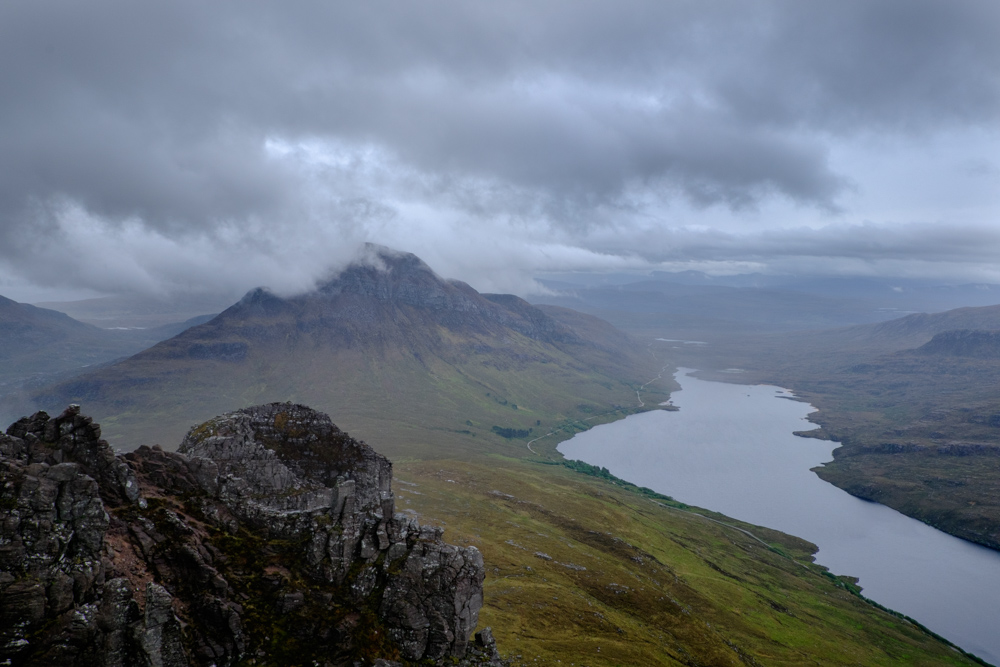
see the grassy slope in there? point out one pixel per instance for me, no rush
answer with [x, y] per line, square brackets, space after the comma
[583, 571]
[660, 586]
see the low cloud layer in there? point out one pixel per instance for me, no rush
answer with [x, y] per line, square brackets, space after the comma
[191, 146]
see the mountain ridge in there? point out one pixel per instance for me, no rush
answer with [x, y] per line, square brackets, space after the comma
[387, 329]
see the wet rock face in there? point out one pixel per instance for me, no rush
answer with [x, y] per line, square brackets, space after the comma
[270, 536]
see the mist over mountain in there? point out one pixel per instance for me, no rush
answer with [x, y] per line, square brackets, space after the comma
[231, 145]
[386, 345]
[694, 304]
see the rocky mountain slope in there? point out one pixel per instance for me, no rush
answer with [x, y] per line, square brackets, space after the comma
[270, 538]
[394, 350]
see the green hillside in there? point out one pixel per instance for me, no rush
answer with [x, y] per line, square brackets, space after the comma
[584, 571]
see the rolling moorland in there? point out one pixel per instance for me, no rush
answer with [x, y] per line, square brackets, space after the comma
[581, 568]
[913, 400]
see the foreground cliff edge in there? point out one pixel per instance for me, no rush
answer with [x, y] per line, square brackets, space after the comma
[269, 538]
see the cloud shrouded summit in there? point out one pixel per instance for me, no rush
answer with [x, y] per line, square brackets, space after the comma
[162, 147]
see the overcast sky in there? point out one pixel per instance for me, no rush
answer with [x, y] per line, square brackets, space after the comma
[174, 146]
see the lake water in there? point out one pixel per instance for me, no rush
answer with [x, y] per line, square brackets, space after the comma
[730, 449]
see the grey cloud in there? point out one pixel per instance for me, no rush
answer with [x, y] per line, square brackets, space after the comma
[867, 242]
[563, 113]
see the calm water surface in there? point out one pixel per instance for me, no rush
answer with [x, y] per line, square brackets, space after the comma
[730, 448]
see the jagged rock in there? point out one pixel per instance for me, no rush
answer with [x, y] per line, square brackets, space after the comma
[74, 437]
[271, 535]
[118, 615]
[288, 470]
[287, 457]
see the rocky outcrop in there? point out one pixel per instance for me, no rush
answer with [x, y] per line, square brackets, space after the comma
[269, 536]
[59, 601]
[74, 437]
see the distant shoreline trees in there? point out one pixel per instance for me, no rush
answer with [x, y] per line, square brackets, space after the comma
[511, 433]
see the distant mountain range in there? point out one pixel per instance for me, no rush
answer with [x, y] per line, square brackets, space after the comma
[25, 329]
[692, 304]
[39, 346]
[918, 328]
[389, 347]
[38, 343]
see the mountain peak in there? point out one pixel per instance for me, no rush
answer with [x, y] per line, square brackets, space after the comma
[261, 301]
[387, 295]
[386, 327]
[392, 276]
[390, 258]
[398, 263]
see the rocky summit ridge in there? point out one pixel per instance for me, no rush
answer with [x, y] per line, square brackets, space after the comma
[269, 538]
[385, 297]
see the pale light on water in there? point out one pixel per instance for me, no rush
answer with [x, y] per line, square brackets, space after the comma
[730, 448]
